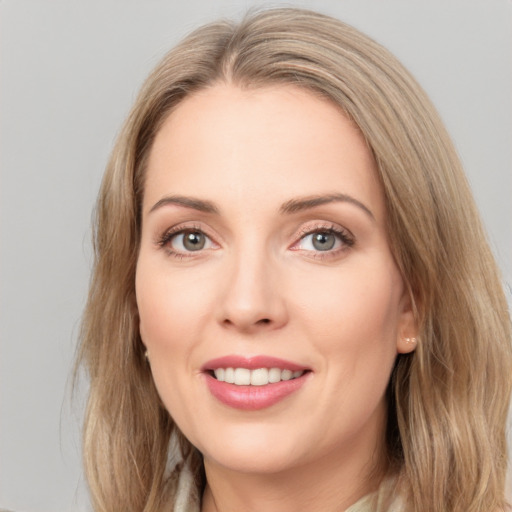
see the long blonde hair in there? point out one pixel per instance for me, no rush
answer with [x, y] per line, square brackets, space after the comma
[448, 401]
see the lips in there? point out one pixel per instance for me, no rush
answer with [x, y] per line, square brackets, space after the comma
[253, 383]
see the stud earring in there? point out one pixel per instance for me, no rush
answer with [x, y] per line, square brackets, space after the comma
[410, 341]
[146, 356]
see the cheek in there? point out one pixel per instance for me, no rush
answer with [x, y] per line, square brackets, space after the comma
[356, 309]
[171, 307]
[169, 312]
[353, 322]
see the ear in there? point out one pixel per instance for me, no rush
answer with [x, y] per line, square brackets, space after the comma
[407, 332]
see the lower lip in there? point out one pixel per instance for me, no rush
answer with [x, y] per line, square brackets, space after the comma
[253, 398]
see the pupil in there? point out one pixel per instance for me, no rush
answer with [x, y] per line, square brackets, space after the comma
[193, 241]
[323, 241]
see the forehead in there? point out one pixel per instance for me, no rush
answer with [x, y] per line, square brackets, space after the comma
[275, 143]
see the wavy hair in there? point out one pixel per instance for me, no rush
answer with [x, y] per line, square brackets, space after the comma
[448, 401]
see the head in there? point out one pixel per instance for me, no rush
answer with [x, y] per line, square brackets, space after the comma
[433, 231]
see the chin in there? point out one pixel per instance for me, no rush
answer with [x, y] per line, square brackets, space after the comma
[262, 461]
[248, 449]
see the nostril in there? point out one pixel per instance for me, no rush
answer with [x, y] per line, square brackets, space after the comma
[246, 325]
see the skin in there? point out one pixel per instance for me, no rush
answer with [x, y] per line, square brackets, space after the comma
[261, 287]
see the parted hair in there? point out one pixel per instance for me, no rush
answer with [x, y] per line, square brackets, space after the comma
[447, 401]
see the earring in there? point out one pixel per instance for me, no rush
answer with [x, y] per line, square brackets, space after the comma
[146, 356]
[410, 341]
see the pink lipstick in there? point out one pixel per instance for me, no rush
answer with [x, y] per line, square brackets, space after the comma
[252, 383]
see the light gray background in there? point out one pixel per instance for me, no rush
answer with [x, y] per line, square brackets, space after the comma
[69, 72]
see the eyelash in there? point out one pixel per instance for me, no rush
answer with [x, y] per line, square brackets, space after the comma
[344, 236]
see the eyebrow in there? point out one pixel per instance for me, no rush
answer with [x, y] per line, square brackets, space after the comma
[306, 203]
[188, 202]
[289, 207]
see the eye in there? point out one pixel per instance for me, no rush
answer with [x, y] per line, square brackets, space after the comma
[320, 241]
[189, 241]
[329, 239]
[183, 241]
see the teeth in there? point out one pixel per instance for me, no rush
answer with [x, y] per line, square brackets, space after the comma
[274, 375]
[258, 377]
[286, 374]
[229, 375]
[242, 377]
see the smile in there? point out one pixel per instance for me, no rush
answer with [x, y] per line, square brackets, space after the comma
[257, 377]
[253, 383]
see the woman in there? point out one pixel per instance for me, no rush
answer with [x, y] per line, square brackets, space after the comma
[293, 304]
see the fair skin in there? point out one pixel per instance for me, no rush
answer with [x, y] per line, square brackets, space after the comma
[237, 261]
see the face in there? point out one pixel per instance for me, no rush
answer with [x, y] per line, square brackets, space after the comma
[269, 300]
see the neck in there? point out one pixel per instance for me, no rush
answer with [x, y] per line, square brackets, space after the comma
[331, 484]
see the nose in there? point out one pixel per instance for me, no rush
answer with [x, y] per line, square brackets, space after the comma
[253, 297]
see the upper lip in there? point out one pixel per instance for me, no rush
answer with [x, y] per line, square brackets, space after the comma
[251, 363]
